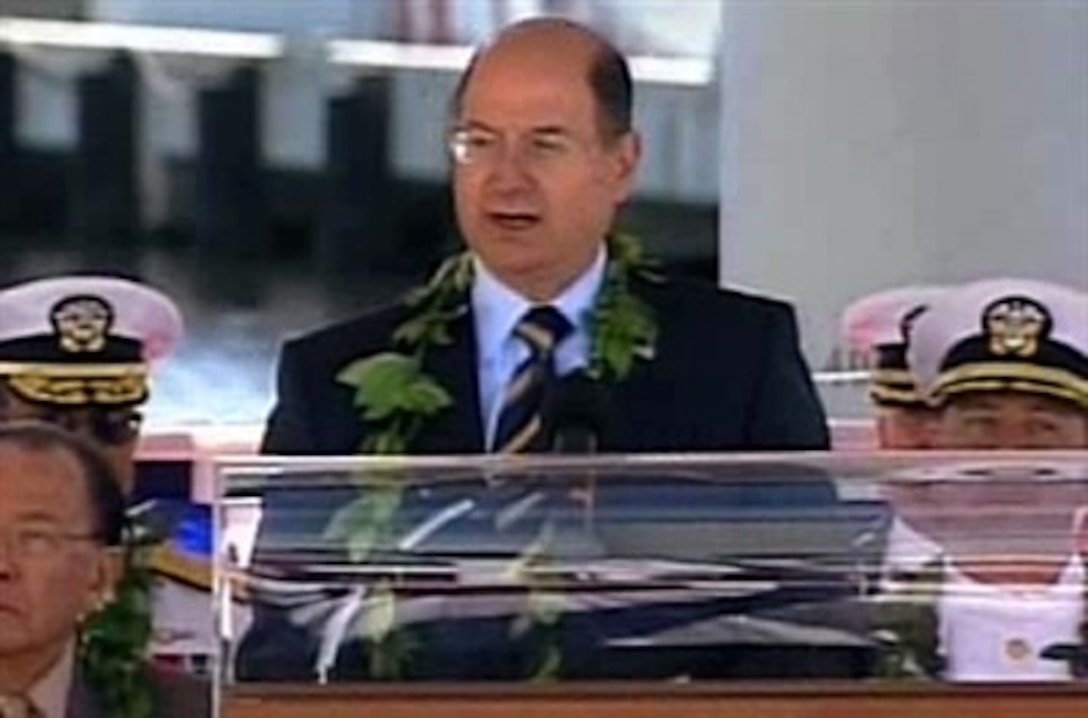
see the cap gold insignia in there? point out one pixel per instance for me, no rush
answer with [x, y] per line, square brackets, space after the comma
[82, 324]
[1015, 325]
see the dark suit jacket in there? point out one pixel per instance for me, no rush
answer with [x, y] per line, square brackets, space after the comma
[728, 376]
[174, 695]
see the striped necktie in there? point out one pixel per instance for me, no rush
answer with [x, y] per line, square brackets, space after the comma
[519, 427]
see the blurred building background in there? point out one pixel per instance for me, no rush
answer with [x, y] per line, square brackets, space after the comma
[291, 172]
[272, 190]
[53, 9]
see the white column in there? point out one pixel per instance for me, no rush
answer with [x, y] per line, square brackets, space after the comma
[870, 143]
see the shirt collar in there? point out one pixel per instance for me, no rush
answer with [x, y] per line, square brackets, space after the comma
[50, 694]
[497, 307]
[908, 550]
[1070, 580]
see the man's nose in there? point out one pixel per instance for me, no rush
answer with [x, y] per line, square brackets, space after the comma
[511, 168]
[1012, 435]
[7, 556]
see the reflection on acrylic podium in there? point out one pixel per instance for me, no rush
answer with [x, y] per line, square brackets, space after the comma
[789, 585]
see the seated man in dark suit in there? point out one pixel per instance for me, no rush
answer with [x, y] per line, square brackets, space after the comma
[61, 520]
[78, 351]
[544, 153]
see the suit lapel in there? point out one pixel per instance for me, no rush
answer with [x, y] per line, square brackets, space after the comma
[82, 702]
[459, 429]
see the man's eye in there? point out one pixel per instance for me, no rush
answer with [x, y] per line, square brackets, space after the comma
[1042, 426]
[549, 145]
[476, 141]
[37, 540]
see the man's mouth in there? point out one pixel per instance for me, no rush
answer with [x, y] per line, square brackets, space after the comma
[514, 221]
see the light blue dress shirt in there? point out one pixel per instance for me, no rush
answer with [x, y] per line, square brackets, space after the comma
[497, 309]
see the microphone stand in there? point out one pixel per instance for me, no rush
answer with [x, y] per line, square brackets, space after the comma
[575, 415]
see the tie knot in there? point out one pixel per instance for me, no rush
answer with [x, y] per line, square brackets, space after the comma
[543, 328]
[16, 707]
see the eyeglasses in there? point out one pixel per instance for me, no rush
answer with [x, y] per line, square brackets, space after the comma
[30, 541]
[110, 427]
[484, 148]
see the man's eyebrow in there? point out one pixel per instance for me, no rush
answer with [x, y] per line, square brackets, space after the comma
[1050, 411]
[480, 126]
[39, 517]
[475, 125]
[551, 130]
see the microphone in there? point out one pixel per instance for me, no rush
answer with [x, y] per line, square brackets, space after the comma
[575, 414]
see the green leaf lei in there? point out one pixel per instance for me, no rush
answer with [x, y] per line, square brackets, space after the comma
[114, 642]
[395, 397]
[908, 627]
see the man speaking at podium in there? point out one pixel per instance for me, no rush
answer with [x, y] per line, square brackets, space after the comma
[544, 154]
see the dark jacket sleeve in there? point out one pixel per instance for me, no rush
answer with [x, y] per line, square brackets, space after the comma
[787, 412]
[288, 430]
[178, 695]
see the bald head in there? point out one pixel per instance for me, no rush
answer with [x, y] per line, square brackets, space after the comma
[552, 42]
[552, 35]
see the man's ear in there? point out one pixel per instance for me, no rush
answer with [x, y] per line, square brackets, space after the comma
[881, 431]
[626, 156]
[929, 430]
[108, 569]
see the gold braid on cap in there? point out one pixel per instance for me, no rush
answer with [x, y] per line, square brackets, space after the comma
[78, 385]
[893, 386]
[885, 394]
[890, 381]
[1009, 376]
[1016, 353]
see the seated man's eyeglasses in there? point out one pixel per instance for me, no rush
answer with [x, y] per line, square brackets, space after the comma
[34, 541]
